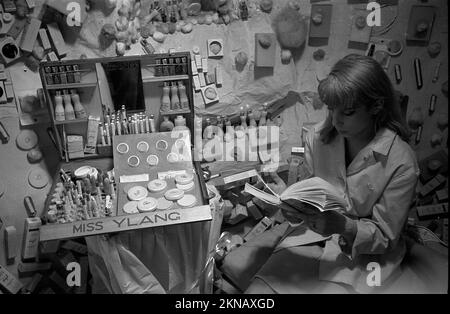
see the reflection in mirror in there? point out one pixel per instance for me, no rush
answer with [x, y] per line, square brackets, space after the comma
[125, 84]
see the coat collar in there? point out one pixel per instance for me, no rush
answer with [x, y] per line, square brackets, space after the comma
[377, 150]
[383, 142]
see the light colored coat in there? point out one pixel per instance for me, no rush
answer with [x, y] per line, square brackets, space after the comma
[379, 187]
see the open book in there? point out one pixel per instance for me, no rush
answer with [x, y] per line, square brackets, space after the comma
[316, 192]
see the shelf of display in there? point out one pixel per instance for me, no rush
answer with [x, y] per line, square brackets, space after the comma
[71, 86]
[155, 79]
[76, 121]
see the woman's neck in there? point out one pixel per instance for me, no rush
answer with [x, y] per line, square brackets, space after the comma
[354, 145]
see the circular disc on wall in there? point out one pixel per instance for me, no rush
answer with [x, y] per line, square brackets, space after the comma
[27, 139]
[38, 178]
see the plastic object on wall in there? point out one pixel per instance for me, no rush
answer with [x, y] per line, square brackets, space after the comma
[2, 189]
[290, 27]
[434, 49]
[436, 140]
[416, 118]
[27, 139]
[38, 178]
[34, 156]
[442, 122]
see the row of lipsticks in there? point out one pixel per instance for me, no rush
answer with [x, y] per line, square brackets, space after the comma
[82, 199]
[119, 123]
[247, 119]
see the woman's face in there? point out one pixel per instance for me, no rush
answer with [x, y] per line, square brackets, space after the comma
[354, 123]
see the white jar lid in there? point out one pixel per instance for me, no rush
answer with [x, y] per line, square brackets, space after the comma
[186, 187]
[123, 148]
[152, 160]
[148, 204]
[130, 208]
[188, 200]
[82, 172]
[164, 204]
[157, 186]
[174, 194]
[143, 147]
[137, 193]
[172, 158]
[185, 178]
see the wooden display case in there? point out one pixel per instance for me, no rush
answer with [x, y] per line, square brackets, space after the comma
[95, 80]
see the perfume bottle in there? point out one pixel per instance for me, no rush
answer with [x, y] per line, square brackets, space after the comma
[76, 74]
[165, 99]
[152, 124]
[243, 118]
[184, 101]
[174, 100]
[80, 112]
[48, 75]
[251, 116]
[166, 125]
[70, 75]
[59, 108]
[68, 108]
[209, 130]
[63, 75]
[263, 119]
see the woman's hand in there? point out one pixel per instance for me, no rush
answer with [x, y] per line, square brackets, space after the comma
[278, 185]
[331, 222]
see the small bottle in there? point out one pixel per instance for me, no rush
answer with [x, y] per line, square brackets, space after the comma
[174, 100]
[70, 76]
[220, 122]
[180, 121]
[56, 78]
[63, 75]
[251, 116]
[124, 112]
[158, 69]
[48, 75]
[59, 108]
[244, 120]
[184, 101]
[76, 73]
[80, 112]
[68, 107]
[165, 99]
[184, 68]
[180, 124]
[152, 124]
[209, 130]
[166, 125]
[263, 119]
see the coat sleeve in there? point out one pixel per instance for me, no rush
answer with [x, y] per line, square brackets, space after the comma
[306, 169]
[382, 230]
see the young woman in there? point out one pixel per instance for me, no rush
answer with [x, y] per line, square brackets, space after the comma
[361, 149]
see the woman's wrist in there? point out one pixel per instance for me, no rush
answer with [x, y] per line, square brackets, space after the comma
[348, 235]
